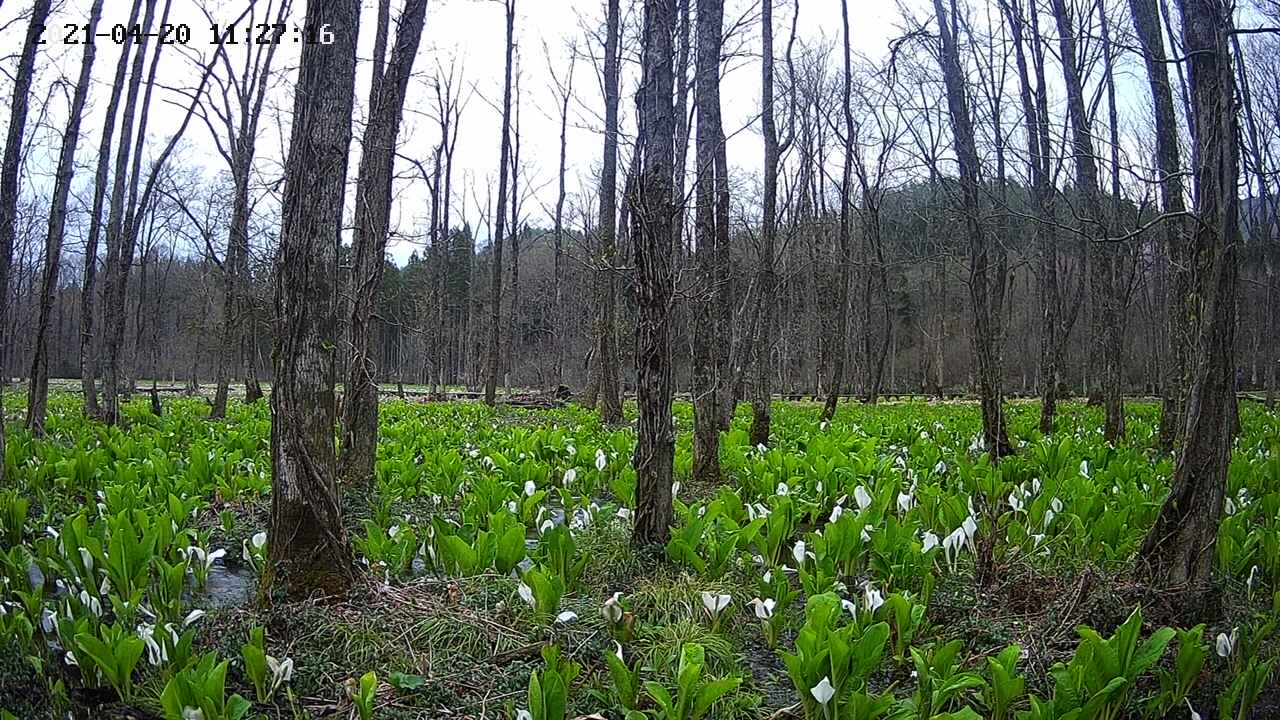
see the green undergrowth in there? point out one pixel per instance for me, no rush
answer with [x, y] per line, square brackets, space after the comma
[497, 575]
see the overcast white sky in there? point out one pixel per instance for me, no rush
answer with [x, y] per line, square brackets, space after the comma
[468, 32]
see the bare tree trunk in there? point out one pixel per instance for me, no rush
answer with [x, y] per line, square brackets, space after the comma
[513, 339]
[1104, 255]
[88, 358]
[606, 383]
[655, 211]
[1180, 549]
[252, 389]
[994, 431]
[1114, 271]
[762, 380]
[308, 549]
[499, 223]
[119, 220]
[241, 140]
[38, 388]
[709, 331]
[728, 353]
[9, 179]
[449, 110]
[841, 340]
[1264, 229]
[558, 315]
[1038, 151]
[373, 214]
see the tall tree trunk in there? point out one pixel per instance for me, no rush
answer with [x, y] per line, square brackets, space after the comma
[513, 340]
[1263, 231]
[845, 259]
[1103, 255]
[1180, 549]
[88, 358]
[994, 432]
[373, 214]
[9, 179]
[558, 316]
[236, 332]
[1037, 162]
[762, 380]
[499, 223]
[654, 246]
[38, 388]
[119, 221]
[1114, 271]
[308, 549]
[607, 383]
[709, 329]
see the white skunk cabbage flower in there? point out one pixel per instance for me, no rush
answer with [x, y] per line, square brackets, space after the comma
[715, 604]
[823, 691]
[763, 608]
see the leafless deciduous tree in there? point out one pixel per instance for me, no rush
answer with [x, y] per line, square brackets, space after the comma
[710, 331]
[845, 250]
[373, 213]
[995, 433]
[238, 111]
[500, 220]
[1179, 550]
[88, 289]
[121, 213]
[38, 388]
[308, 550]
[654, 205]
[605, 384]
[10, 167]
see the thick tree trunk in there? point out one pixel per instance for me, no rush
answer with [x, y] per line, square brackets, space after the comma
[373, 214]
[38, 388]
[308, 549]
[708, 330]
[499, 224]
[655, 211]
[9, 179]
[606, 382]
[1180, 549]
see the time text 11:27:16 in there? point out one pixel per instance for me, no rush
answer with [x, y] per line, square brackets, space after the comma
[181, 34]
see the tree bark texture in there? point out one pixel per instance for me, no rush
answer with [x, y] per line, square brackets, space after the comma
[655, 212]
[38, 387]
[708, 382]
[994, 432]
[308, 551]
[373, 214]
[1180, 549]
[500, 223]
[9, 178]
[607, 382]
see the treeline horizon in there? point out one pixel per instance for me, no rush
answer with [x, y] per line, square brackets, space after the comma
[174, 310]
